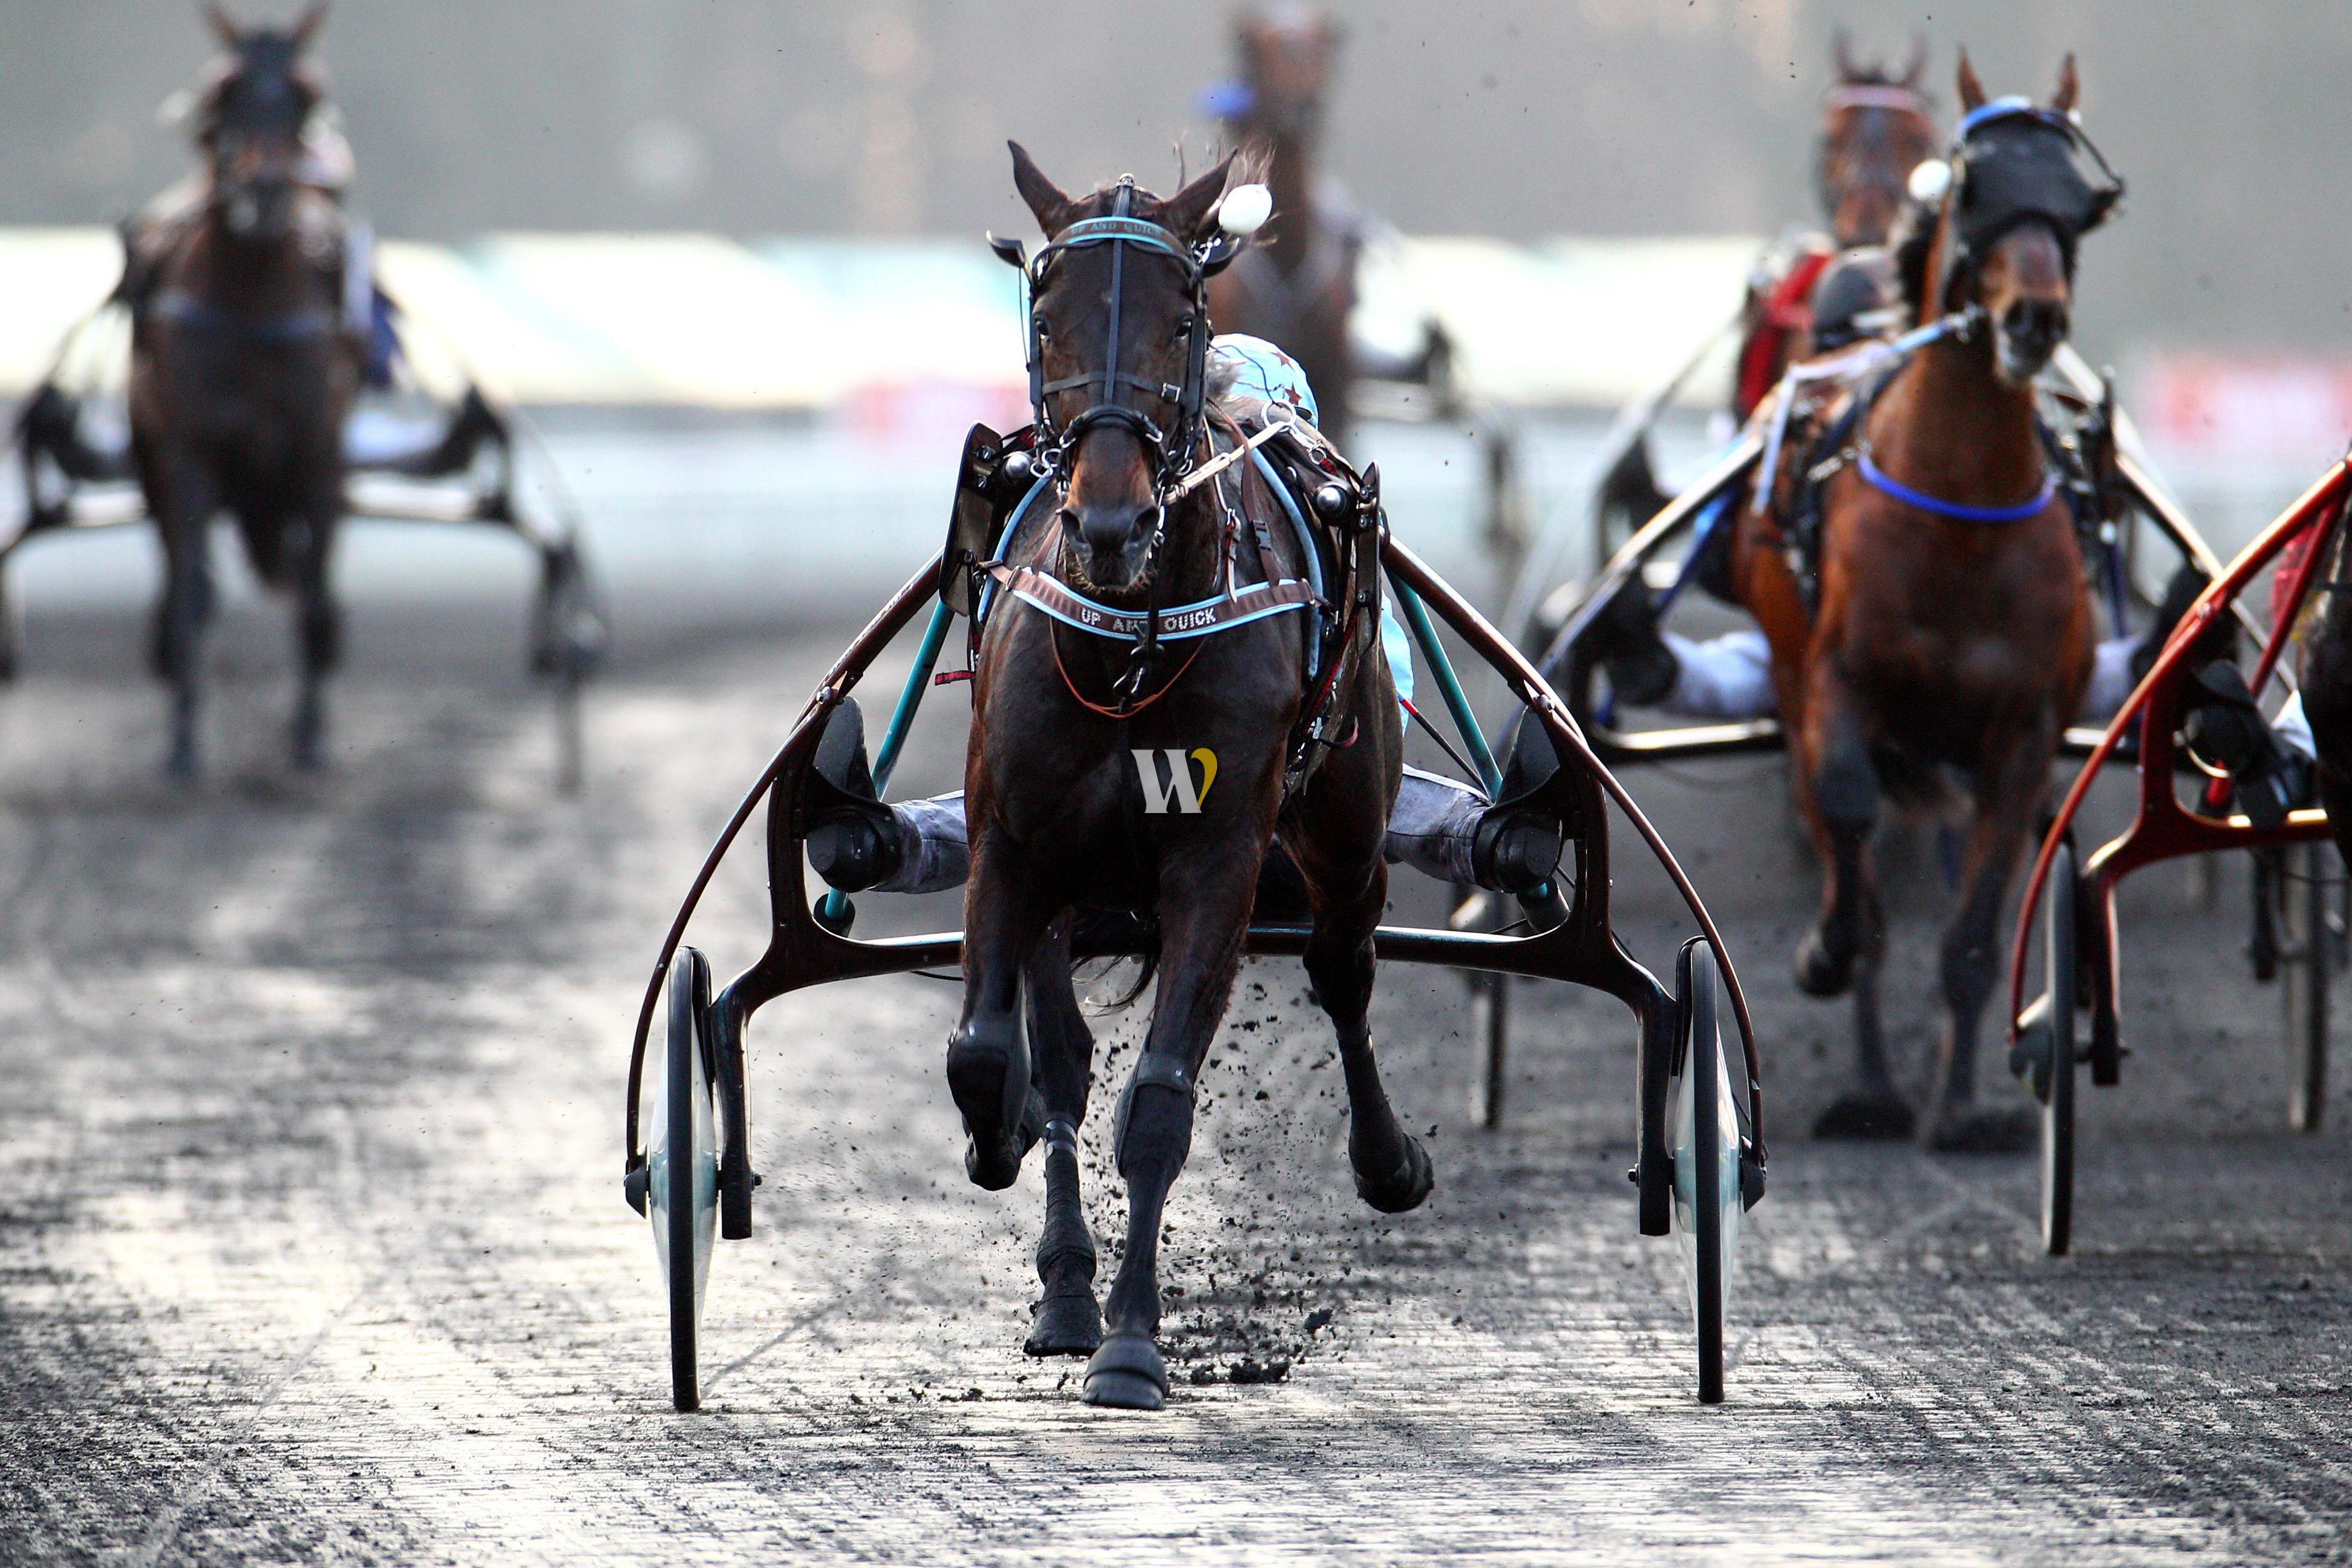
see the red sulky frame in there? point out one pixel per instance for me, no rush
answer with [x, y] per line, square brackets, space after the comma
[2164, 828]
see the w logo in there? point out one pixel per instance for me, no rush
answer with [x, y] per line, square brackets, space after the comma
[1177, 792]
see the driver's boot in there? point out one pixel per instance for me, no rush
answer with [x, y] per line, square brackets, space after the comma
[2269, 778]
[853, 841]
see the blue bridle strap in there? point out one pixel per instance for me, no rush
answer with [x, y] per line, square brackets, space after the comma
[1878, 480]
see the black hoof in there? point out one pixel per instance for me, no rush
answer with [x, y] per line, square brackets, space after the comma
[1971, 1130]
[1126, 1374]
[1820, 972]
[1863, 1116]
[1404, 1189]
[988, 1074]
[1066, 1325]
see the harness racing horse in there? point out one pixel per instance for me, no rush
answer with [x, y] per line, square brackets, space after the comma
[1297, 286]
[1877, 125]
[242, 373]
[1949, 627]
[1080, 775]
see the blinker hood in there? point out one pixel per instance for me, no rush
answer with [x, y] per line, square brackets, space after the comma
[2013, 162]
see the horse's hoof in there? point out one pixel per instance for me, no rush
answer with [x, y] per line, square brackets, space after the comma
[1126, 1374]
[1066, 1325]
[1820, 972]
[988, 1074]
[1861, 1115]
[1404, 1189]
[1990, 1130]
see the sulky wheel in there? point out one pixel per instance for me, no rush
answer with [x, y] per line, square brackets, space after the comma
[1490, 1025]
[2308, 884]
[682, 1164]
[1705, 1146]
[2053, 1076]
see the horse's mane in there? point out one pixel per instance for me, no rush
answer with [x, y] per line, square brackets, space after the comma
[1914, 236]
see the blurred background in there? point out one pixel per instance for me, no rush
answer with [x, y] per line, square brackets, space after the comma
[730, 251]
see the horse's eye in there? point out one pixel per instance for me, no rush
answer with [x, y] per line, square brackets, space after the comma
[1183, 328]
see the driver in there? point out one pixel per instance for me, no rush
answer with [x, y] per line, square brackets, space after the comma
[1440, 825]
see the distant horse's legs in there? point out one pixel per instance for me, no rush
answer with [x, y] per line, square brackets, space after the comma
[319, 634]
[1205, 905]
[2009, 794]
[1061, 1056]
[1846, 946]
[177, 650]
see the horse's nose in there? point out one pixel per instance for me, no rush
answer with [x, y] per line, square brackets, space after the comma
[2037, 326]
[1115, 536]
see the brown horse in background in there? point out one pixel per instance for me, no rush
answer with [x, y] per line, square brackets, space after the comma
[1877, 125]
[1944, 645]
[1296, 287]
[243, 373]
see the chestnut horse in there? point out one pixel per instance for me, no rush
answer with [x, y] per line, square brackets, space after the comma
[243, 372]
[1950, 633]
[1296, 287]
[1078, 778]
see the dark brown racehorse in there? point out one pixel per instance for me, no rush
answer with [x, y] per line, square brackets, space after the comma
[1877, 125]
[1952, 637]
[1297, 286]
[242, 373]
[1072, 808]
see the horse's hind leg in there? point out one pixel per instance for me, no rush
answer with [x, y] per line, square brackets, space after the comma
[1846, 948]
[1061, 1050]
[1391, 1169]
[2009, 795]
[1205, 905]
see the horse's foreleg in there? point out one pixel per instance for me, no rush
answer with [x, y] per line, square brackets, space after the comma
[1205, 904]
[1844, 950]
[2009, 795]
[184, 519]
[988, 1060]
[319, 631]
[1061, 1057]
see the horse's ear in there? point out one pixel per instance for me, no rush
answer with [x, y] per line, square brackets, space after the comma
[1918, 69]
[1047, 203]
[1972, 92]
[223, 29]
[2070, 86]
[308, 27]
[1186, 214]
[1842, 55]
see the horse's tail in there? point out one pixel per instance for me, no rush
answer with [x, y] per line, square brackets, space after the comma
[266, 549]
[1105, 928]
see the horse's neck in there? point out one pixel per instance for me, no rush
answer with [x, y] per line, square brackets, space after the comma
[1949, 426]
[246, 274]
[1291, 181]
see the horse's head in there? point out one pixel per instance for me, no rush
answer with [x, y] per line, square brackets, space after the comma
[1118, 352]
[1286, 57]
[251, 117]
[2014, 211]
[1876, 127]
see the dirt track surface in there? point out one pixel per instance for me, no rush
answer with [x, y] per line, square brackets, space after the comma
[312, 1248]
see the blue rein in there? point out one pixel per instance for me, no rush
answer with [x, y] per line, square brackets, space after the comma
[1878, 479]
